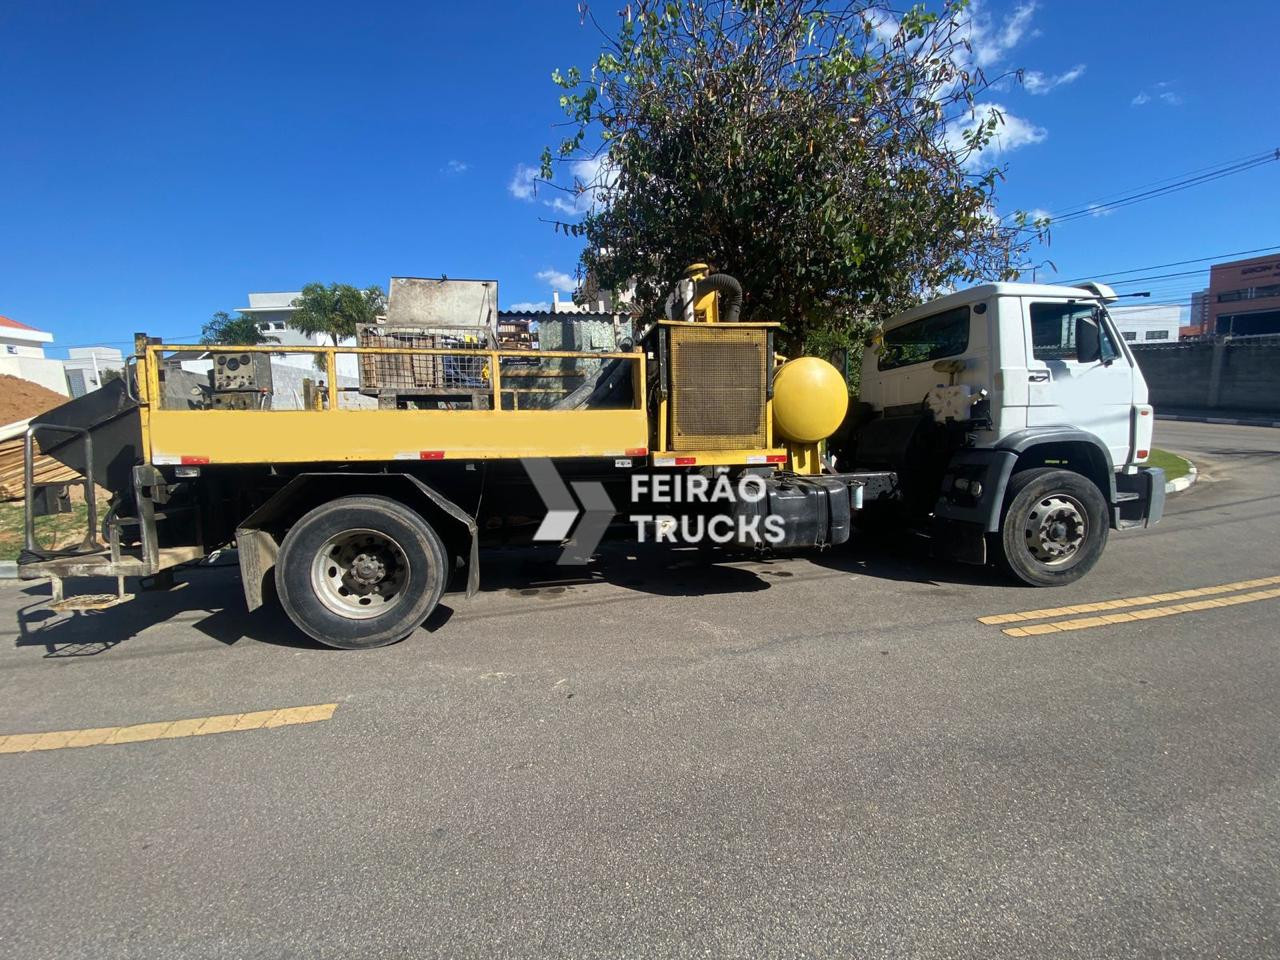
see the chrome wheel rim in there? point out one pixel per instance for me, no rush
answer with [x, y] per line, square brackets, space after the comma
[360, 574]
[1056, 529]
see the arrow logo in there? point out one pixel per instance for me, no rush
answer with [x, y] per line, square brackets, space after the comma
[562, 509]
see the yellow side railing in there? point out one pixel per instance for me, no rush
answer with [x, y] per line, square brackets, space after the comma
[154, 353]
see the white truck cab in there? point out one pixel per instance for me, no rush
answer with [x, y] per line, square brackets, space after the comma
[1015, 419]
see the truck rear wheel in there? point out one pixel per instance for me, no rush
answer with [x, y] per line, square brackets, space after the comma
[360, 572]
[1054, 527]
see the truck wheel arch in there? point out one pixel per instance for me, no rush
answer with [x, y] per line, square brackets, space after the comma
[1065, 447]
[258, 536]
[1081, 451]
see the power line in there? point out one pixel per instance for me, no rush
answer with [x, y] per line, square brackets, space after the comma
[1160, 276]
[1162, 191]
[1175, 263]
[1176, 176]
[176, 338]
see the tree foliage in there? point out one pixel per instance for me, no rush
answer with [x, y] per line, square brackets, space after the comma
[240, 330]
[824, 153]
[336, 310]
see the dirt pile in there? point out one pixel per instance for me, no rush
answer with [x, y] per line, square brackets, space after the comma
[21, 399]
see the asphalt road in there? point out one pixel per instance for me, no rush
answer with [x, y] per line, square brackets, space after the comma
[807, 757]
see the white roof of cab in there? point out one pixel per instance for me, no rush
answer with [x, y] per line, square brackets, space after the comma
[988, 290]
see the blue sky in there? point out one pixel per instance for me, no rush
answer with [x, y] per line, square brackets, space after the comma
[160, 160]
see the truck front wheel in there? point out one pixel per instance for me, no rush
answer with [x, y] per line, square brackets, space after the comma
[360, 572]
[1054, 527]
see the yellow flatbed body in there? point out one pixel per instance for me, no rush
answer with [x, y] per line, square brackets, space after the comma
[332, 433]
[301, 436]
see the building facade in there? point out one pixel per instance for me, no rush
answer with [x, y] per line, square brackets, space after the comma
[1148, 323]
[1198, 324]
[272, 312]
[22, 355]
[1244, 297]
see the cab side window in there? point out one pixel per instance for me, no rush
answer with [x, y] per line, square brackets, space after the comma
[1053, 331]
[929, 338]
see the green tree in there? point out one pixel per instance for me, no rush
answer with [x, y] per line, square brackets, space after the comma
[336, 310]
[239, 330]
[826, 154]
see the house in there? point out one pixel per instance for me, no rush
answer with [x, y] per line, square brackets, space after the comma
[22, 355]
[272, 313]
[87, 367]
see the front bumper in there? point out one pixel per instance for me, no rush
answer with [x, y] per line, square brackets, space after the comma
[1139, 498]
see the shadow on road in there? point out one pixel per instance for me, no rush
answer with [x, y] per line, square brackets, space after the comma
[533, 571]
[210, 600]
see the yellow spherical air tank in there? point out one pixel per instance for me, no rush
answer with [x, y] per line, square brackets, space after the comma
[810, 399]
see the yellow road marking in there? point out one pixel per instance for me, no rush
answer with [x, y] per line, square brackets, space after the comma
[1150, 613]
[1124, 602]
[166, 729]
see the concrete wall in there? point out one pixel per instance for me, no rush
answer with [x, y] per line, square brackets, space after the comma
[1231, 374]
[47, 373]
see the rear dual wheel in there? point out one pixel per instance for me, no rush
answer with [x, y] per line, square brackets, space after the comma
[360, 572]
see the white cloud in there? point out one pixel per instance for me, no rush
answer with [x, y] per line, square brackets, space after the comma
[1160, 92]
[530, 306]
[522, 184]
[1038, 213]
[1099, 210]
[588, 178]
[558, 280]
[1011, 132]
[565, 205]
[1039, 83]
[455, 166]
[989, 41]
[884, 25]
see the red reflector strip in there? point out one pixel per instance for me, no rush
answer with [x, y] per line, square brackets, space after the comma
[776, 458]
[431, 455]
[193, 461]
[686, 461]
[1142, 454]
[637, 451]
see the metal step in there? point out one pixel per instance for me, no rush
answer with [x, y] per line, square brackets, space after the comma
[89, 601]
[100, 564]
[157, 515]
[1123, 496]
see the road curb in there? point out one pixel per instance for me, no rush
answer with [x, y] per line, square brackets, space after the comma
[1229, 421]
[8, 569]
[1182, 483]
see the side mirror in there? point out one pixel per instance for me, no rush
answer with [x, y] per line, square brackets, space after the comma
[1088, 340]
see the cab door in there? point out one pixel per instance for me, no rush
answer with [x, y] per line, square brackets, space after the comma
[1092, 394]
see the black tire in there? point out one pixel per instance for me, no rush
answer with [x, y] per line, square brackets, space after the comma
[324, 598]
[1048, 495]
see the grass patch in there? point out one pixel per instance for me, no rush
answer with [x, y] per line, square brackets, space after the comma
[1173, 465]
[53, 533]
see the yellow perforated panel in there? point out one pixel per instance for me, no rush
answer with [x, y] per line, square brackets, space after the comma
[718, 383]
